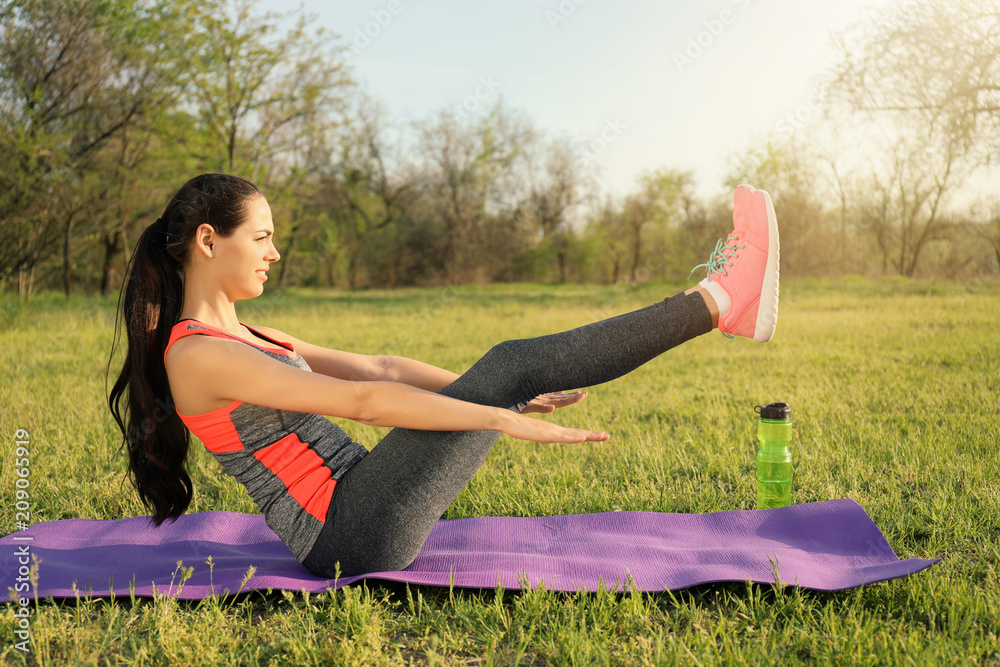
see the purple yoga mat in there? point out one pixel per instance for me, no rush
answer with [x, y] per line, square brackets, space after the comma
[830, 545]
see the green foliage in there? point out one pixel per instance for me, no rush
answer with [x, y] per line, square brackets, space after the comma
[108, 106]
[893, 385]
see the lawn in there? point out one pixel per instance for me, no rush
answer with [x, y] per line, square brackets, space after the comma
[894, 388]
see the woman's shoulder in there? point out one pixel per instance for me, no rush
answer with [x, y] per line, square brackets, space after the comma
[183, 343]
[270, 331]
[278, 335]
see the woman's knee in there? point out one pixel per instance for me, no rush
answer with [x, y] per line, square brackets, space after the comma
[498, 378]
[506, 359]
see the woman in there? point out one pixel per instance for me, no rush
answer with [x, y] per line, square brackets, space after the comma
[255, 395]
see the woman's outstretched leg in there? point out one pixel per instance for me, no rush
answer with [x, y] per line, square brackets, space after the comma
[386, 505]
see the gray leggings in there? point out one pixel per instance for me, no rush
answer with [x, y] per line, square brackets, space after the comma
[386, 505]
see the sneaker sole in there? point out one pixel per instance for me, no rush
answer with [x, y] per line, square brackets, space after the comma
[767, 309]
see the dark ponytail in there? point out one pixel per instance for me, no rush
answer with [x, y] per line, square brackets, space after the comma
[149, 304]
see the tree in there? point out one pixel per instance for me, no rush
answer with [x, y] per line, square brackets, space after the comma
[556, 189]
[107, 104]
[652, 211]
[257, 90]
[990, 231]
[786, 170]
[929, 82]
[638, 235]
[606, 229]
[75, 75]
[474, 189]
[941, 64]
[911, 194]
[368, 193]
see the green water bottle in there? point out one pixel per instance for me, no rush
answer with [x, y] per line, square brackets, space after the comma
[774, 461]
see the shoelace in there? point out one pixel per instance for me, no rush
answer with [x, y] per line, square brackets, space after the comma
[722, 257]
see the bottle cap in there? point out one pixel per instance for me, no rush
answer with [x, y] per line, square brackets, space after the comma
[777, 410]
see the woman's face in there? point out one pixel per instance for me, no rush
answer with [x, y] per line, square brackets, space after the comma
[243, 257]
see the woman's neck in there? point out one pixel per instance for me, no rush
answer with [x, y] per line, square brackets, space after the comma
[218, 313]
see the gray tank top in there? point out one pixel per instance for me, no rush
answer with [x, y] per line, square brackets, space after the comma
[289, 462]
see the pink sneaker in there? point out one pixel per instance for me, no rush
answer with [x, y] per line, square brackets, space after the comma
[746, 267]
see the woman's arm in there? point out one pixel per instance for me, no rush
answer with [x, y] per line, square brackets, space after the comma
[365, 367]
[392, 368]
[230, 370]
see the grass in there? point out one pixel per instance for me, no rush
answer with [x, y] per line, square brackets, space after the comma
[893, 387]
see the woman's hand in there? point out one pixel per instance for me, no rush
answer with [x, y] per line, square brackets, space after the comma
[537, 430]
[526, 428]
[549, 402]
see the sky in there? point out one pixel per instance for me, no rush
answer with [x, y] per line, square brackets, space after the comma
[640, 84]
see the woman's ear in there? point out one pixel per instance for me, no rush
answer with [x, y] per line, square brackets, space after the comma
[204, 240]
